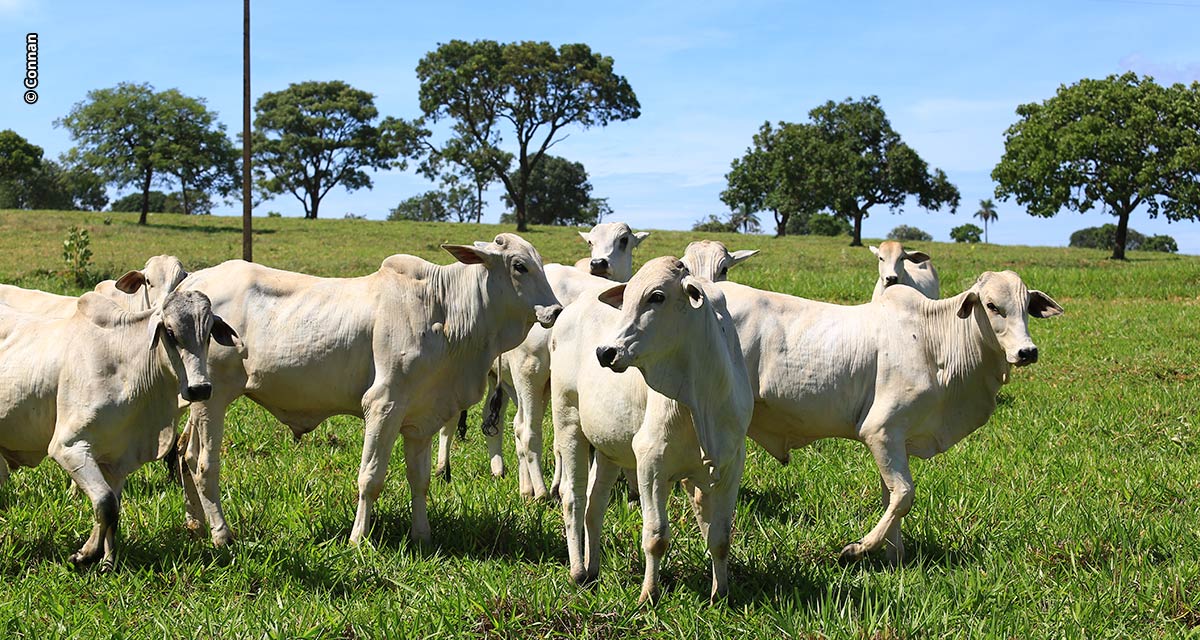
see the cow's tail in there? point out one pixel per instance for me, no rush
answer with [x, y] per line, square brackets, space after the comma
[491, 421]
[462, 425]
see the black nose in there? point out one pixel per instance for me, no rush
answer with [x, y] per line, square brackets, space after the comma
[197, 392]
[606, 355]
[1028, 354]
[554, 314]
[891, 280]
[599, 265]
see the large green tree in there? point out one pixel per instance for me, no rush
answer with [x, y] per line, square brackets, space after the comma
[20, 161]
[863, 163]
[201, 156]
[1115, 144]
[29, 181]
[529, 89]
[133, 135]
[777, 174]
[558, 193]
[314, 136]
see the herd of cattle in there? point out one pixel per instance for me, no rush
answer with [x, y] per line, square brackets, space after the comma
[97, 382]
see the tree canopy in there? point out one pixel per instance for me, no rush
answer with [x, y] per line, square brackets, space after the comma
[201, 156]
[1115, 144]
[905, 233]
[30, 181]
[529, 89]
[131, 135]
[846, 160]
[314, 136]
[1105, 237]
[966, 233]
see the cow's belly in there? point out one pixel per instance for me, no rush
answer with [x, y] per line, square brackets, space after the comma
[26, 429]
[611, 410]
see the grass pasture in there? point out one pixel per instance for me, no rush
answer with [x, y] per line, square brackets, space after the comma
[1075, 512]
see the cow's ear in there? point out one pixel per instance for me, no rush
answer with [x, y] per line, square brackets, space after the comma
[586, 235]
[639, 236]
[131, 281]
[874, 249]
[224, 334]
[917, 256]
[743, 255]
[466, 254]
[156, 327]
[969, 301]
[613, 296]
[1042, 305]
[694, 291]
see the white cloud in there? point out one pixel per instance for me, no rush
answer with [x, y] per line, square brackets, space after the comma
[1163, 72]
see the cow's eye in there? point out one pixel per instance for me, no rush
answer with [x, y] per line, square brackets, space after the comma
[881, 258]
[520, 267]
[624, 242]
[992, 307]
[657, 297]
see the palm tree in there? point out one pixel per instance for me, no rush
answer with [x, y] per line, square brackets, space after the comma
[744, 219]
[987, 213]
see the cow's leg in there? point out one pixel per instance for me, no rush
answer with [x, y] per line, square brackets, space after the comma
[495, 448]
[530, 390]
[893, 543]
[631, 486]
[603, 477]
[697, 500]
[572, 448]
[416, 460]
[717, 508]
[383, 416]
[656, 531]
[891, 457]
[76, 459]
[191, 496]
[206, 429]
[493, 419]
[3, 471]
[443, 453]
[556, 477]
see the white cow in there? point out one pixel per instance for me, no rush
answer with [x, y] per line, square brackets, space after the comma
[905, 375]
[525, 371]
[97, 391]
[912, 268]
[406, 348]
[681, 418]
[137, 290]
[612, 245]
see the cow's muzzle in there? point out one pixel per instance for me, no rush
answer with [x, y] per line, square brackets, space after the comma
[608, 358]
[599, 266]
[546, 316]
[198, 392]
[1026, 356]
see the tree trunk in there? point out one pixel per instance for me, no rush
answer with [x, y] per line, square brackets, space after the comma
[311, 214]
[1122, 234]
[478, 203]
[781, 220]
[187, 211]
[146, 196]
[856, 241]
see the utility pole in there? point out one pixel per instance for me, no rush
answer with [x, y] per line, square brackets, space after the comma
[247, 242]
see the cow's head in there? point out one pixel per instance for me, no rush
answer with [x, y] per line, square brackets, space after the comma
[182, 326]
[893, 259]
[511, 260]
[160, 276]
[612, 246]
[659, 308]
[710, 259]
[1006, 304]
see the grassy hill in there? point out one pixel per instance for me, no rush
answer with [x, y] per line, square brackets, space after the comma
[1074, 511]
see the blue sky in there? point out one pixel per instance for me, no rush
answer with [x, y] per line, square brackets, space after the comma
[707, 74]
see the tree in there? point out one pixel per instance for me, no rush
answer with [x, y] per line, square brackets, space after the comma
[314, 136]
[530, 87]
[427, 207]
[1163, 243]
[966, 233]
[120, 134]
[19, 161]
[1115, 144]
[472, 163]
[987, 213]
[155, 200]
[818, 224]
[29, 181]
[744, 220]
[713, 224]
[202, 157]
[774, 174]
[905, 233]
[861, 162]
[558, 192]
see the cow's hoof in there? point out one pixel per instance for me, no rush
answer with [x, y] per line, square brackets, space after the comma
[81, 559]
[222, 537]
[852, 552]
[193, 525]
[649, 597]
[585, 578]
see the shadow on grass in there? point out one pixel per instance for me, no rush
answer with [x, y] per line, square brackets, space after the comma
[772, 505]
[206, 228]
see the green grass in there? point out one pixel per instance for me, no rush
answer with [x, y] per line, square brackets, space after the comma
[1073, 512]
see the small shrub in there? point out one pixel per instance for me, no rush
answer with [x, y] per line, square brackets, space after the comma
[966, 233]
[354, 216]
[905, 233]
[1163, 243]
[713, 224]
[77, 254]
[274, 214]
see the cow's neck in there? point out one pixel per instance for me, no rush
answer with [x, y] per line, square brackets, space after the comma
[475, 317]
[966, 356]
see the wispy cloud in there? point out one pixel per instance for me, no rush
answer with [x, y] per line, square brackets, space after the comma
[1163, 72]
